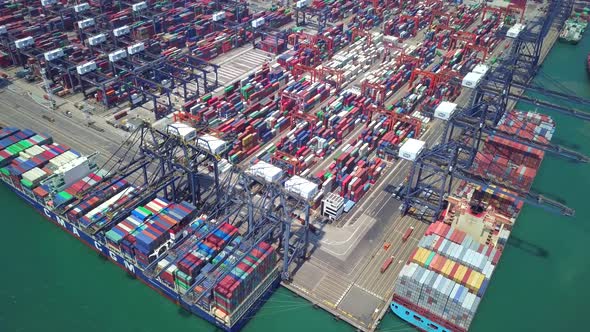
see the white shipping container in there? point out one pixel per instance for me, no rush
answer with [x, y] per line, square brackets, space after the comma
[117, 55]
[471, 80]
[266, 171]
[445, 110]
[98, 39]
[83, 24]
[86, 68]
[54, 54]
[182, 130]
[118, 32]
[24, 42]
[81, 7]
[139, 6]
[411, 149]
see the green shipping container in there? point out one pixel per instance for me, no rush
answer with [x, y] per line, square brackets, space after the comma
[65, 195]
[144, 210]
[26, 183]
[429, 259]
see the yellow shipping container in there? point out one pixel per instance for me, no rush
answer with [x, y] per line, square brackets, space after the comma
[416, 257]
[479, 281]
[450, 269]
[458, 277]
[447, 268]
[471, 280]
[419, 256]
[424, 257]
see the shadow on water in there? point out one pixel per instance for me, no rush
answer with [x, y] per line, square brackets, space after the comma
[184, 313]
[566, 144]
[550, 195]
[527, 247]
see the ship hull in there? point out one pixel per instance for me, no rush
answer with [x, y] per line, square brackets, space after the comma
[136, 272]
[415, 319]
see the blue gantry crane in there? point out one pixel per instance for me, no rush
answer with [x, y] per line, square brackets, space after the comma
[431, 176]
[304, 16]
[263, 210]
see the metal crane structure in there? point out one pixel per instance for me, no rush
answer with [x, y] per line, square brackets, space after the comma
[431, 176]
[148, 74]
[304, 15]
[264, 210]
[156, 162]
[161, 163]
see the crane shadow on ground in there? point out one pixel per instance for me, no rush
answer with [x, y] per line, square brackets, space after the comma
[4, 83]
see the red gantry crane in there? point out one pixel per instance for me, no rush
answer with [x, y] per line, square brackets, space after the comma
[393, 118]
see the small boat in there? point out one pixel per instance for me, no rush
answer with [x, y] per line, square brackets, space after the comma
[573, 30]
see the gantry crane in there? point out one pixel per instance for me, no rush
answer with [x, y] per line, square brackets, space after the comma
[434, 169]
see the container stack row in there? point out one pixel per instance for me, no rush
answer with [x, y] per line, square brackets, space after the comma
[29, 158]
[389, 77]
[70, 33]
[121, 237]
[250, 109]
[447, 274]
[303, 95]
[96, 200]
[356, 60]
[407, 23]
[354, 170]
[501, 199]
[440, 296]
[513, 163]
[159, 230]
[247, 275]
[191, 263]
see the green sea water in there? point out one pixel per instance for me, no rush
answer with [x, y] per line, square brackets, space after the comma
[51, 282]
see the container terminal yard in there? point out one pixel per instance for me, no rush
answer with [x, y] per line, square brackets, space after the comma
[365, 155]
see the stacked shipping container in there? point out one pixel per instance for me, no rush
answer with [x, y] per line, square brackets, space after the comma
[513, 163]
[447, 274]
[236, 286]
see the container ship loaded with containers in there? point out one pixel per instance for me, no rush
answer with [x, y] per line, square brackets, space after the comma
[69, 189]
[446, 276]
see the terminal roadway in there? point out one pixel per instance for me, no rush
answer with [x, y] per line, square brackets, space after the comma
[23, 111]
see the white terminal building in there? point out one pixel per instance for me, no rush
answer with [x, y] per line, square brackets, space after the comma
[332, 206]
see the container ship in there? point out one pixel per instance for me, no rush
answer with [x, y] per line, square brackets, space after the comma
[446, 276]
[72, 192]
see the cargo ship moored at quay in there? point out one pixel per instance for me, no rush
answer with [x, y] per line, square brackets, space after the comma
[32, 164]
[446, 276]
